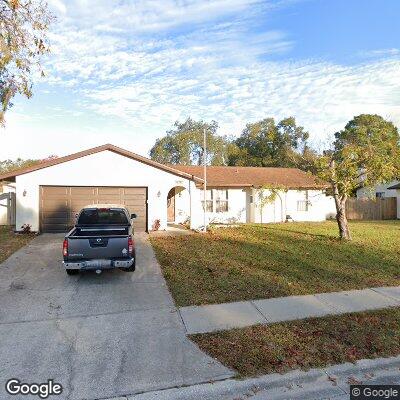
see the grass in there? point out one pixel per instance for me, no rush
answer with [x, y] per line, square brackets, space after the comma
[10, 242]
[273, 260]
[305, 344]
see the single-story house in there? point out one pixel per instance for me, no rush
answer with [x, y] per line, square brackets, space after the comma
[49, 195]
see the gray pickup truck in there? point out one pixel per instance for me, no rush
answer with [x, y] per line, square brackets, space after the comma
[101, 239]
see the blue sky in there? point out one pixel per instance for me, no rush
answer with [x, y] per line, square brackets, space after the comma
[122, 72]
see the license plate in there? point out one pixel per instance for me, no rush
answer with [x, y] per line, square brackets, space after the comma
[97, 263]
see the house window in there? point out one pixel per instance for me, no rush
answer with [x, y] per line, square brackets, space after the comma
[209, 201]
[380, 195]
[221, 202]
[302, 205]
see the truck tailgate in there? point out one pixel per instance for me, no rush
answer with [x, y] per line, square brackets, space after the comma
[87, 248]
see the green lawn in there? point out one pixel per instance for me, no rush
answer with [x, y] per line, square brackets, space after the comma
[273, 260]
[10, 242]
[305, 344]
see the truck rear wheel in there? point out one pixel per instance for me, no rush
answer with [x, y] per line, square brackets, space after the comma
[72, 271]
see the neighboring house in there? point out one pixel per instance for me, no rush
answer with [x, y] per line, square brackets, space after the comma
[49, 195]
[379, 191]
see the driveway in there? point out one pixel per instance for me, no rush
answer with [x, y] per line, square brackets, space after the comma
[100, 336]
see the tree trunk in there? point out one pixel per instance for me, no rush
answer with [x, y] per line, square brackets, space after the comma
[340, 202]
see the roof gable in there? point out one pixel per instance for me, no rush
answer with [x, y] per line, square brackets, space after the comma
[94, 150]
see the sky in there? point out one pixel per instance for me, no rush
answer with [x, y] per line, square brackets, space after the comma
[124, 71]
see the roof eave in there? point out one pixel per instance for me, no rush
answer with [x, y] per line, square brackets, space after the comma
[95, 150]
[247, 185]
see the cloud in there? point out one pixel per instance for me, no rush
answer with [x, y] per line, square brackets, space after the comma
[151, 15]
[380, 53]
[142, 65]
[57, 6]
[323, 96]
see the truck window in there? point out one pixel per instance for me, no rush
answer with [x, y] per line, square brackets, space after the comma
[102, 216]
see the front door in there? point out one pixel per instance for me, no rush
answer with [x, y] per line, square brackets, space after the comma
[171, 206]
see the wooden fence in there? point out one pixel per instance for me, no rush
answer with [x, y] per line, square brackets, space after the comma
[372, 209]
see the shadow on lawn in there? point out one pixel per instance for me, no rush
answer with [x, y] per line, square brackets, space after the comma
[390, 227]
[279, 264]
[278, 227]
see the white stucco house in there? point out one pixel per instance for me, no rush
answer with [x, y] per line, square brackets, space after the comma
[48, 195]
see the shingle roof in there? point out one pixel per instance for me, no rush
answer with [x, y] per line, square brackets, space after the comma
[291, 178]
[216, 176]
[94, 150]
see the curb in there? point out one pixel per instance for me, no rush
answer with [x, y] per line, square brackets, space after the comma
[292, 384]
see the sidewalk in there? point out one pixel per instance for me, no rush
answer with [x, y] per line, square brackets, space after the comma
[215, 317]
[326, 383]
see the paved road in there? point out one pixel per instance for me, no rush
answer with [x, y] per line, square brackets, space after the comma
[331, 383]
[100, 336]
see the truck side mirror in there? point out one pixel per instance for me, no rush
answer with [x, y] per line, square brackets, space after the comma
[133, 216]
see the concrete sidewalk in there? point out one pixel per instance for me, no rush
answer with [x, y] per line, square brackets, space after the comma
[325, 383]
[215, 317]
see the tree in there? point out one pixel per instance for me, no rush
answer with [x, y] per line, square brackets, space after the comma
[366, 152]
[184, 144]
[12, 165]
[267, 144]
[23, 40]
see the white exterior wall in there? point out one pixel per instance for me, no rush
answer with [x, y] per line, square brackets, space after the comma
[370, 192]
[270, 212]
[182, 205]
[7, 188]
[196, 211]
[100, 169]
[236, 208]
[321, 207]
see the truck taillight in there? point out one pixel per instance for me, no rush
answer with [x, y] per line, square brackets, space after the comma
[65, 248]
[130, 245]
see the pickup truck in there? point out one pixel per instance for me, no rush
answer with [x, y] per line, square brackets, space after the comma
[102, 238]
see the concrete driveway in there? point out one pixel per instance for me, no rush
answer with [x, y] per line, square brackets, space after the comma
[100, 336]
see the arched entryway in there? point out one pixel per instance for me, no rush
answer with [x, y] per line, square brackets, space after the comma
[171, 205]
[176, 205]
